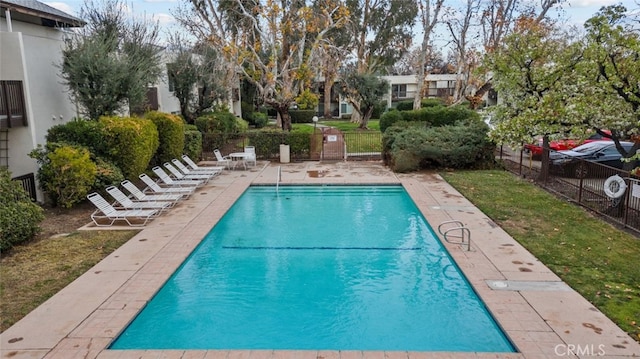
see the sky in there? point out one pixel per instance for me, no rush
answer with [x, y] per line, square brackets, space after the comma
[577, 11]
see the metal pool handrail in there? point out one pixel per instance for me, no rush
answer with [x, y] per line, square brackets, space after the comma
[458, 226]
[278, 178]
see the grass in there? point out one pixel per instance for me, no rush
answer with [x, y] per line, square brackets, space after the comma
[32, 273]
[593, 257]
[346, 125]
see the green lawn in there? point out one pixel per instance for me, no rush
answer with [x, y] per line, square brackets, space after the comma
[593, 257]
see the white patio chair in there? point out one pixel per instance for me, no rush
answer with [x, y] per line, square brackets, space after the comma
[202, 170]
[106, 211]
[164, 177]
[126, 202]
[153, 187]
[181, 176]
[221, 160]
[251, 159]
[141, 196]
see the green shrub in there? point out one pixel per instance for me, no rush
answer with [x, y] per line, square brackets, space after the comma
[66, 173]
[302, 116]
[132, 143]
[405, 105]
[260, 119]
[107, 174]
[389, 118]
[19, 217]
[463, 146]
[88, 134]
[254, 118]
[170, 135]
[218, 122]
[426, 102]
[379, 109]
[192, 142]
[431, 116]
[267, 142]
[241, 124]
[307, 100]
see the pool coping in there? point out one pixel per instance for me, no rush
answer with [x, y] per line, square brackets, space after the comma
[542, 317]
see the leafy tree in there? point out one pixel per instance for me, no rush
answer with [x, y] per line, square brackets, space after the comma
[363, 91]
[610, 75]
[381, 33]
[530, 74]
[498, 19]
[111, 63]
[196, 77]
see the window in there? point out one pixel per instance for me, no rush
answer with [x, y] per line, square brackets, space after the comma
[12, 106]
[399, 91]
[171, 76]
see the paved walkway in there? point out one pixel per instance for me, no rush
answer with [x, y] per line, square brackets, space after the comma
[542, 316]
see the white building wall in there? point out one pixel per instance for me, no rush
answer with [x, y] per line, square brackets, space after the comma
[31, 54]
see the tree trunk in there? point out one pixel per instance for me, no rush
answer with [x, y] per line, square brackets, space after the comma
[364, 122]
[328, 84]
[285, 117]
[544, 161]
[355, 117]
[476, 99]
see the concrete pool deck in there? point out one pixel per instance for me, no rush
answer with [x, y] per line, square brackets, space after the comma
[542, 316]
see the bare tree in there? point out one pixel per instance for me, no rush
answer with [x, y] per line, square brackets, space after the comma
[458, 25]
[429, 17]
[498, 19]
[272, 45]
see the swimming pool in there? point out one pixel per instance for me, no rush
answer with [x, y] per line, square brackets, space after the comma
[318, 267]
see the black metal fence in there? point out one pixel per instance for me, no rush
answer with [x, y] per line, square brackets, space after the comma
[582, 182]
[28, 182]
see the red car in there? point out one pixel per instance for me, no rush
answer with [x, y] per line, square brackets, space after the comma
[562, 145]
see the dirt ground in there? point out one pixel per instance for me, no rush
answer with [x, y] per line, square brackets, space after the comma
[60, 220]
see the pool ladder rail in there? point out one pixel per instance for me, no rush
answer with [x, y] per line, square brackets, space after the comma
[456, 230]
[278, 178]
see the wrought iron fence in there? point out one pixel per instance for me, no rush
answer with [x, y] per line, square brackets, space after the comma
[28, 182]
[582, 182]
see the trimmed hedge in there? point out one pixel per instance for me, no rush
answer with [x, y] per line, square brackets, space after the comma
[302, 116]
[81, 132]
[465, 145]
[132, 143]
[19, 217]
[218, 122]
[267, 142]
[170, 135]
[431, 116]
[426, 102]
[192, 142]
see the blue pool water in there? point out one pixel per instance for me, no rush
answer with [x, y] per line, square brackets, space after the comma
[318, 267]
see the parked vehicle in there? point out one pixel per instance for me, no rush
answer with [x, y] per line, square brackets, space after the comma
[562, 145]
[578, 161]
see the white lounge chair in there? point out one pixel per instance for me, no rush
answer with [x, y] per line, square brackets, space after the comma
[141, 196]
[251, 160]
[127, 203]
[220, 159]
[201, 170]
[181, 176]
[164, 177]
[153, 187]
[106, 211]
